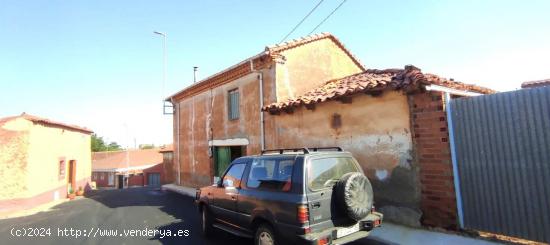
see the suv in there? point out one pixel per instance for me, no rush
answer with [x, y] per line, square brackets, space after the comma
[311, 196]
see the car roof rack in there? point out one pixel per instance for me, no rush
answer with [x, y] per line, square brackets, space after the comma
[337, 148]
[282, 150]
[305, 150]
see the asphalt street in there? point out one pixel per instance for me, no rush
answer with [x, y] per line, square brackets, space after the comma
[129, 216]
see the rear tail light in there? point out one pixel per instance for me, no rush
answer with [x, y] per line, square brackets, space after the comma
[322, 241]
[303, 214]
[377, 223]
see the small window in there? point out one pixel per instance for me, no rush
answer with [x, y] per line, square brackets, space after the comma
[234, 175]
[101, 176]
[94, 176]
[61, 169]
[233, 104]
[271, 174]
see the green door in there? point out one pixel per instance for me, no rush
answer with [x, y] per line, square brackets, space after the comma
[222, 159]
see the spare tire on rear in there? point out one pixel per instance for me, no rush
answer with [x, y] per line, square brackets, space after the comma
[353, 193]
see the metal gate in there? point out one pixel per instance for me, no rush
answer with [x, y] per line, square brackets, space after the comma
[153, 179]
[501, 148]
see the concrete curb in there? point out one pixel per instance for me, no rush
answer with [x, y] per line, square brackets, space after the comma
[390, 233]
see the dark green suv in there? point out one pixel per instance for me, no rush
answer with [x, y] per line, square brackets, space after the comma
[305, 195]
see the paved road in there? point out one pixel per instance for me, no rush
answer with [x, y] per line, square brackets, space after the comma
[140, 209]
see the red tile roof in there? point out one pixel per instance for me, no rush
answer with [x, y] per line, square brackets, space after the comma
[123, 159]
[409, 78]
[534, 84]
[243, 68]
[47, 122]
[277, 48]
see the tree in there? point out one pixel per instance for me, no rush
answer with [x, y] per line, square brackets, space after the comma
[146, 146]
[98, 144]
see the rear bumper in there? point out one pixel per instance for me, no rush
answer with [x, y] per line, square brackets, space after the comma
[372, 221]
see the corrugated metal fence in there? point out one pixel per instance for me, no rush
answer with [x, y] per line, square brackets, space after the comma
[502, 150]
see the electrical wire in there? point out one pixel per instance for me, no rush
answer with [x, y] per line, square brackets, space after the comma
[327, 17]
[295, 27]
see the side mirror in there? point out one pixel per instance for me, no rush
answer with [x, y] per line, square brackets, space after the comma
[227, 183]
[216, 181]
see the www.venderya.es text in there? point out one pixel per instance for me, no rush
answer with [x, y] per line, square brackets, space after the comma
[96, 232]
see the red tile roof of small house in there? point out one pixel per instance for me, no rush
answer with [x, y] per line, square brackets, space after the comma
[537, 83]
[108, 160]
[47, 122]
[260, 60]
[373, 80]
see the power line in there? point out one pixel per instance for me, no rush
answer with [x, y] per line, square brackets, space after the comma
[327, 17]
[295, 27]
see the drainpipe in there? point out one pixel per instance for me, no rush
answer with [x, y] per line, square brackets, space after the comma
[456, 178]
[177, 138]
[261, 85]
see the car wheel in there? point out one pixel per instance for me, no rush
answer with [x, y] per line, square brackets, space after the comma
[264, 235]
[206, 222]
[354, 195]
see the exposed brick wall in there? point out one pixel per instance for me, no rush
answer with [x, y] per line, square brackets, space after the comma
[136, 180]
[102, 179]
[431, 139]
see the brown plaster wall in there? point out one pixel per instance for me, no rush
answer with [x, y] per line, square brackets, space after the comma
[308, 66]
[14, 143]
[376, 130]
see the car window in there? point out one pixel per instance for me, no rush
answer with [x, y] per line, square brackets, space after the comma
[234, 175]
[271, 174]
[325, 172]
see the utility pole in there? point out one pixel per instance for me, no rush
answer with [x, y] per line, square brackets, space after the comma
[164, 60]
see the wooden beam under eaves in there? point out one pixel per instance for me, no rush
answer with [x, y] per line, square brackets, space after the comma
[310, 106]
[345, 99]
[374, 93]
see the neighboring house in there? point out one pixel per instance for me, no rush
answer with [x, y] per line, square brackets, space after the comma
[120, 169]
[40, 160]
[315, 93]
[536, 84]
[168, 163]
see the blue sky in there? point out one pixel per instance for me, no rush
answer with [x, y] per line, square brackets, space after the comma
[98, 63]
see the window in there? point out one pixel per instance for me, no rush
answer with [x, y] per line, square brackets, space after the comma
[61, 169]
[101, 176]
[233, 104]
[234, 175]
[273, 174]
[325, 172]
[94, 176]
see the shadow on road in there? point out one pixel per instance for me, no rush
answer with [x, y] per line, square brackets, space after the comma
[181, 208]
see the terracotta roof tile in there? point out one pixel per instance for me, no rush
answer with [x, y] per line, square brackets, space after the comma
[42, 120]
[409, 78]
[537, 83]
[243, 68]
[277, 48]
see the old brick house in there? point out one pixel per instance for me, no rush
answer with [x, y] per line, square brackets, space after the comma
[139, 167]
[40, 161]
[219, 118]
[313, 92]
